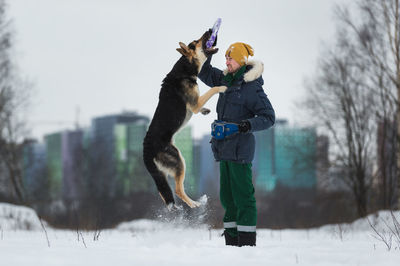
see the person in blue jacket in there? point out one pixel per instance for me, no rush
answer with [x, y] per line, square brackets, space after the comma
[242, 109]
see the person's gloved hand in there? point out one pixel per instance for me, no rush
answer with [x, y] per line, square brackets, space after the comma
[244, 126]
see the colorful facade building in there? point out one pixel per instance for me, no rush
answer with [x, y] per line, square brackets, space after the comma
[109, 152]
[54, 164]
[130, 171]
[105, 160]
[34, 170]
[286, 156]
[208, 169]
[64, 163]
[73, 163]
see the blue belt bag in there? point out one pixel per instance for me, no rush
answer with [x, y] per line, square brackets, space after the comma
[221, 129]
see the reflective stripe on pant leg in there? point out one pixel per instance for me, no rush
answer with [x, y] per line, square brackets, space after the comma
[246, 228]
[230, 224]
[231, 228]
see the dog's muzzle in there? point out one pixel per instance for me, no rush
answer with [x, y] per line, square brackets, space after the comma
[208, 51]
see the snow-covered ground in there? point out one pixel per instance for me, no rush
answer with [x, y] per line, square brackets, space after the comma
[143, 242]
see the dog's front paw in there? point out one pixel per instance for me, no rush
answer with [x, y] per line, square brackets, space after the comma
[204, 111]
[221, 89]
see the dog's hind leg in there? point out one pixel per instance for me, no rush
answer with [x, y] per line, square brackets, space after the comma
[180, 191]
[179, 187]
[174, 163]
[160, 178]
[163, 189]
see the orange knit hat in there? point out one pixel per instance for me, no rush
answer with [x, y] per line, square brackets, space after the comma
[240, 52]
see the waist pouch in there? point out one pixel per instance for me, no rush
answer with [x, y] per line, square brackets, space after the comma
[221, 129]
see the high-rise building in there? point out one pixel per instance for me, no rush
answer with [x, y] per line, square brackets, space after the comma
[64, 161]
[296, 156]
[110, 153]
[73, 162]
[197, 162]
[123, 180]
[285, 156]
[34, 169]
[141, 178]
[208, 172]
[264, 166]
[54, 164]
[131, 175]
[102, 161]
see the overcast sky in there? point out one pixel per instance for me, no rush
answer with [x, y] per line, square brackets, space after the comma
[105, 56]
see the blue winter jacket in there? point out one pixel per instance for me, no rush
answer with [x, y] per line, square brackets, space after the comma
[245, 99]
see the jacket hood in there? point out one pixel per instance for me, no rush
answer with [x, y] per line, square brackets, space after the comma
[255, 71]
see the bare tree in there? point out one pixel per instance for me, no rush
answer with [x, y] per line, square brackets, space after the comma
[377, 36]
[13, 100]
[356, 93]
[340, 103]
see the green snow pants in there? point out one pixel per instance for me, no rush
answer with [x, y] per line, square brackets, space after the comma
[237, 197]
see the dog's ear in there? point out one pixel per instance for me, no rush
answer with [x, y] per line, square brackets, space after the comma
[180, 50]
[184, 50]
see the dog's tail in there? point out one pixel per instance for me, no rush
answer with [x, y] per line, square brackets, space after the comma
[160, 178]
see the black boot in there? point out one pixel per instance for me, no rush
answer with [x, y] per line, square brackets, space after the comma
[246, 239]
[230, 240]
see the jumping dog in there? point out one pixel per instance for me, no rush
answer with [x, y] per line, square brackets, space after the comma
[179, 98]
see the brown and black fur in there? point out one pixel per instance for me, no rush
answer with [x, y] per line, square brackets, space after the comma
[178, 99]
